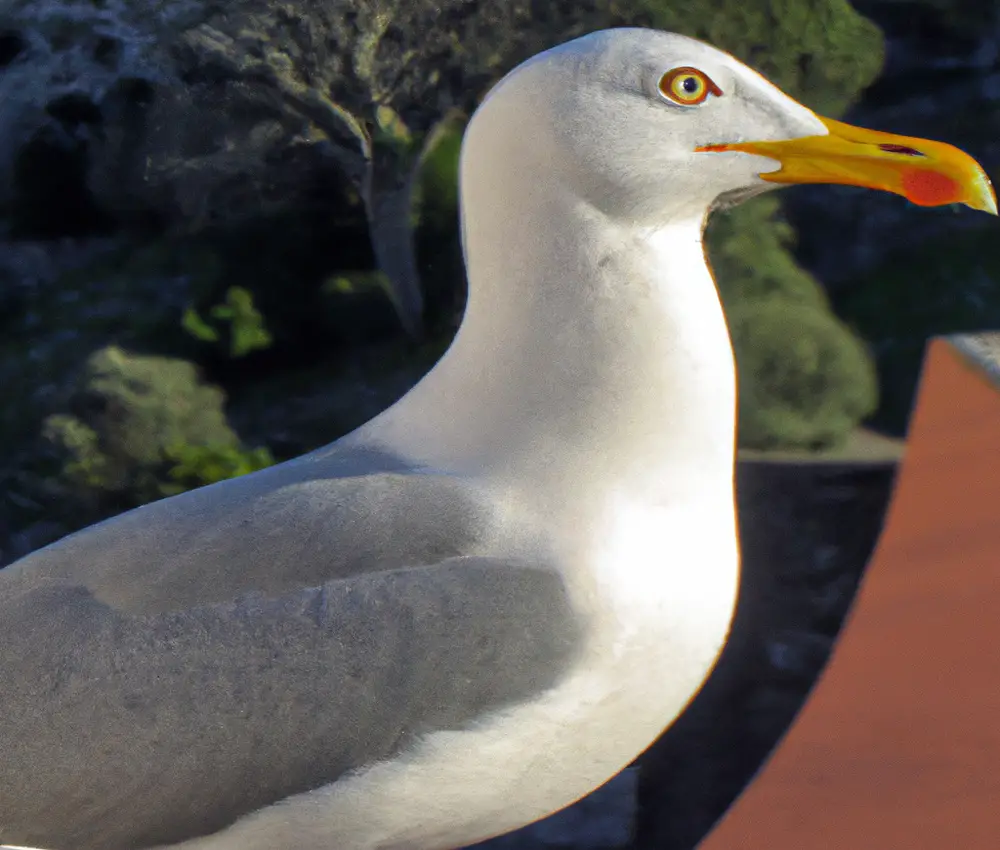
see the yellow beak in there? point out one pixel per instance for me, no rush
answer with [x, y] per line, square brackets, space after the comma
[927, 173]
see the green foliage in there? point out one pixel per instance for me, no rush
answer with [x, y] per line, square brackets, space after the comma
[442, 272]
[356, 283]
[139, 427]
[283, 249]
[948, 285]
[85, 465]
[750, 247]
[435, 194]
[194, 465]
[130, 296]
[805, 381]
[391, 130]
[246, 329]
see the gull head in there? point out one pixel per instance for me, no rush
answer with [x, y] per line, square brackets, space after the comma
[649, 126]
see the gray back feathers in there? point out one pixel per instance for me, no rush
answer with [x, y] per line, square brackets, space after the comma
[163, 677]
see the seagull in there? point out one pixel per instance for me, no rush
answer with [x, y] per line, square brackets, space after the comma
[488, 600]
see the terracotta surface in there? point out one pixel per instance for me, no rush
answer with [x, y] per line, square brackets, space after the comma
[899, 744]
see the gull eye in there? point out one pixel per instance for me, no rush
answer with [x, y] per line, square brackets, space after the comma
[687, 86]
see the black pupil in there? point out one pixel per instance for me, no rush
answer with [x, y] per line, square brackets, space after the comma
[690, 85]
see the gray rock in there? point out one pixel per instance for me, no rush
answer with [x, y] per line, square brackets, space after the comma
[75, 47]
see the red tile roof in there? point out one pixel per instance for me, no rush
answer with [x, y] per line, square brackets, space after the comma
[899, 744]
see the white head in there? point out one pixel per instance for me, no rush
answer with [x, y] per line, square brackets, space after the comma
[624, 116]
[593, 341]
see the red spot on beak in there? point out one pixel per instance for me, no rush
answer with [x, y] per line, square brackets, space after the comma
[930, 188]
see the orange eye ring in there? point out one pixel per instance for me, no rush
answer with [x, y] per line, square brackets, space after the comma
[687, 86]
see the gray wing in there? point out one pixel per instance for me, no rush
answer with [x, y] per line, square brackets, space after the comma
[298, 524]
[137, 718]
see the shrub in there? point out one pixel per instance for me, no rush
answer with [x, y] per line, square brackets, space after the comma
[140, 427]
[246, 329]
[750, 248]
[192, 466]
[805, 380]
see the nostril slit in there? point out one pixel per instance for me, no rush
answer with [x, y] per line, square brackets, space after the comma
[903, 149]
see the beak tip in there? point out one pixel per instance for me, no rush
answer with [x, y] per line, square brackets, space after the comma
[986, 203]
[984, 198]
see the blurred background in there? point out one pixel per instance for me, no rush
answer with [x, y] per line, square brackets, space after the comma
[228, 235]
